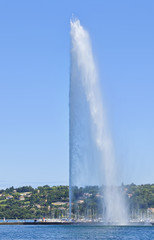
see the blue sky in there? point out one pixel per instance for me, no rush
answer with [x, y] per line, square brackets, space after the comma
[34, 86]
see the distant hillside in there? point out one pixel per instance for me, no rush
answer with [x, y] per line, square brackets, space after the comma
[53, 202]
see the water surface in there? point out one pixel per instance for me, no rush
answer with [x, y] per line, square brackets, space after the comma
[76, 232]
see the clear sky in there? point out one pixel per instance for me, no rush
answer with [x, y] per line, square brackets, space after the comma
[34, 86]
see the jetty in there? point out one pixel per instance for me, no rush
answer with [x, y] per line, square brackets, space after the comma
[36, 223]
[71, 223]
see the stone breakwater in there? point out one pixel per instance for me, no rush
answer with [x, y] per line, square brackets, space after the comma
[36, 223]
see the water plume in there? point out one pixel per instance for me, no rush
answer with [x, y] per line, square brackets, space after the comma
[91, 151]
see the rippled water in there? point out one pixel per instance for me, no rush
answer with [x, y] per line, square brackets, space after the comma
[76, 232]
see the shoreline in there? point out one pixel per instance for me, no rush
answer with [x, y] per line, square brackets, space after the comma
[36, 223]
[77, 223]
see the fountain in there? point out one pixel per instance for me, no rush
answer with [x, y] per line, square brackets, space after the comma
[91, 153]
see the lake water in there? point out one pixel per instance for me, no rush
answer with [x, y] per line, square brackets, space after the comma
[76, 232]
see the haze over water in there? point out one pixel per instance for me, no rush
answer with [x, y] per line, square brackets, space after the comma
[92, 160]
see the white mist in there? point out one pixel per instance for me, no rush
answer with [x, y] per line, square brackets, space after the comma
[92, 160]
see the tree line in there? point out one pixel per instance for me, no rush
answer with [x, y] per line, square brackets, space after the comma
[53, 202]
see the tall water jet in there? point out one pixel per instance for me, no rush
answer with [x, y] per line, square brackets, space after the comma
[91, 154]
